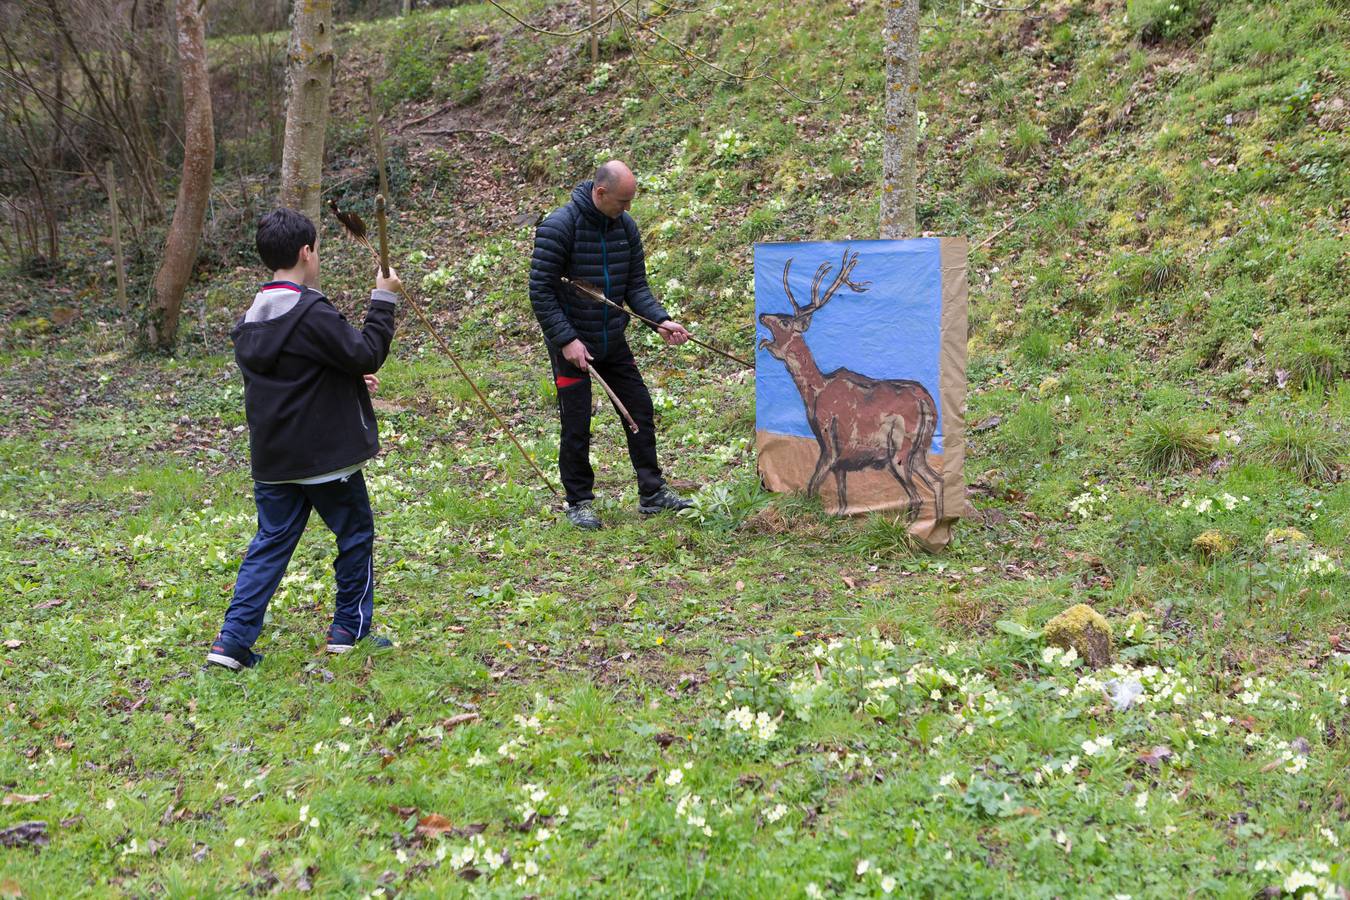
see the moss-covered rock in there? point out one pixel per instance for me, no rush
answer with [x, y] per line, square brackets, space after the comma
[1085, 630]
[1213, 544]
[1286, 536]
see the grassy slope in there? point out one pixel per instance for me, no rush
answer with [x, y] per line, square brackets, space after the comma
[1179, 180]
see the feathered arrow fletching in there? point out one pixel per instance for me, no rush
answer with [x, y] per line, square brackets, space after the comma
[354, 224]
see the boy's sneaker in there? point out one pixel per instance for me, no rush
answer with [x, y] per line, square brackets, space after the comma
[662, 501]
[582, 516]
[232, 657]
[340, 640]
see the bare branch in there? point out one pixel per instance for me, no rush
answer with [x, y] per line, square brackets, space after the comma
[564, 34]
[1016, 9]
[750, 75]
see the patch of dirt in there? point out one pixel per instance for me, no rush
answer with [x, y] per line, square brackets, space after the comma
[773, 521]
[964, 613]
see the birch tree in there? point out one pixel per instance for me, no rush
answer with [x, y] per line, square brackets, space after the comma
[309, 80]
[199, 156]
[900, 143]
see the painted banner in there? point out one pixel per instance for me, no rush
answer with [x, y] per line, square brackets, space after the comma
[860, 376]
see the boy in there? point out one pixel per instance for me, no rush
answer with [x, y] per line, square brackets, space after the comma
[311, 428]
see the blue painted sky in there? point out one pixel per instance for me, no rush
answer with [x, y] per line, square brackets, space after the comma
[892, 331]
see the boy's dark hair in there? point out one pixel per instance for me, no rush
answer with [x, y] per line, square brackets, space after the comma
[281, 234]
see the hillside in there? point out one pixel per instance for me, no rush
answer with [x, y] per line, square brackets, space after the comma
[757, 700]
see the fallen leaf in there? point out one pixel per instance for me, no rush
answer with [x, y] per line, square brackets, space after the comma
[740, 586]
[433, 825]
[459, 719]
[50, 604]
[25, 834]
[10, 888]
[1155, 756]
[13, 644]
[16, 799]
[852, 585]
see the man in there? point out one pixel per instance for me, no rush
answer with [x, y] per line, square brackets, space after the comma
[594, 239]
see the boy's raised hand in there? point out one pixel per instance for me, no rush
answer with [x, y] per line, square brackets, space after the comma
[391, 284]
[372, 383]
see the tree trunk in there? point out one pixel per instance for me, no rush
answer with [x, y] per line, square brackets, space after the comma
[900, 145]
[377, 139]
[310, 70]
[595, 40]
[199, 156]
[118, 261]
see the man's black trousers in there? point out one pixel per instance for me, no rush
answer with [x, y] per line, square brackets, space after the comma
[620, 372]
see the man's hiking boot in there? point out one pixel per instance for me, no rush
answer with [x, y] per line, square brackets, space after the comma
[582, 516]
[340, 640]
[663, 500]
[232, 657]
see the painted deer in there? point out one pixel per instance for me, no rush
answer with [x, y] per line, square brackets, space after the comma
[859, 422]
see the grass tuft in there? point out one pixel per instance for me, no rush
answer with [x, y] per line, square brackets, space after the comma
[1170, 442]
[1305, 445]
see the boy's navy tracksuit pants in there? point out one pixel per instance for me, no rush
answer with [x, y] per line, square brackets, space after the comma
[283, 510]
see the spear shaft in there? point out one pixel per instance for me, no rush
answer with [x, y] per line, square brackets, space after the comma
[618, 404]
[592, 293]
[357, 230]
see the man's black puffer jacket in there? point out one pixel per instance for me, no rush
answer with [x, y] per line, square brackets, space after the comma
[581, 242]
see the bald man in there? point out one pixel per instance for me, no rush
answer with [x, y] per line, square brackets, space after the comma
[593, 238]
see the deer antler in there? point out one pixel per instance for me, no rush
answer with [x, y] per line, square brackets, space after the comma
[796, 310]
[818, 299]
[858, 287]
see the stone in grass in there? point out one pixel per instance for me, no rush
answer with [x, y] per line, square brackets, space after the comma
[1082, 628]
[1286, 536]
[1213, 544]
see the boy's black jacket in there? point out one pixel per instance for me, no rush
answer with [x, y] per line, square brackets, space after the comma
[307, 406]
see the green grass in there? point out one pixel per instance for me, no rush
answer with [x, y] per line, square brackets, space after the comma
[1148, 274]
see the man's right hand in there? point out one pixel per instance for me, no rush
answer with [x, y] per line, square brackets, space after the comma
[577, 354]
[390, 284]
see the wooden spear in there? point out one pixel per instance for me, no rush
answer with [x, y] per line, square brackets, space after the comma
[357, 229]
[598, 295]
[618, 404]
